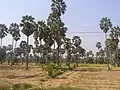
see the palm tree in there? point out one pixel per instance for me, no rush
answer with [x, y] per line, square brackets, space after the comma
[28, 27]
[15, 32]
[68, 48]
[3, 31]
[58, 8]
[115, 34]
[2, 54]
[41, 33]
[9, 49]
[23, 46]
[76, 42]
[105, 25]
[16, 39]
[98, 45]
[112, 45]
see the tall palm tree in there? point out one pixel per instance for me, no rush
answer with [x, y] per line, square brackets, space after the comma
[3, 32]
[112, 45]
[15, 32]
[105, 25]
[28, 27]
[40, 33]
[76, 40]
[58, 8]
[115, 34]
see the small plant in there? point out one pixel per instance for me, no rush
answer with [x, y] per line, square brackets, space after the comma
[53, 70]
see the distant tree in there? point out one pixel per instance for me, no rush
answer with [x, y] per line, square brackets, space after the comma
[23, 46]
[98, 45]
[2, 54]
[3, 32]
[68, 48]
[76, 40]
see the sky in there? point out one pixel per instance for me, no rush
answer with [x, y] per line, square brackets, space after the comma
[81, 16]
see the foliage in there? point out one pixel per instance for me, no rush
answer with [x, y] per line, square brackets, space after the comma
[53, 70]
[2, 54]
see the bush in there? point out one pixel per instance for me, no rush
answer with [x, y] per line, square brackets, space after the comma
[53, 70]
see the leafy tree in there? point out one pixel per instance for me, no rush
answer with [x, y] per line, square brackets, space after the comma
[28, 27]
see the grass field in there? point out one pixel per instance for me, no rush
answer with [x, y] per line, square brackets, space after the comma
[86, 77]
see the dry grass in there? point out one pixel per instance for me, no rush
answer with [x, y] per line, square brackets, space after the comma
[89, 77]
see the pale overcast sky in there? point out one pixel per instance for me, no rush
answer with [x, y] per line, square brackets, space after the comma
[81, 15]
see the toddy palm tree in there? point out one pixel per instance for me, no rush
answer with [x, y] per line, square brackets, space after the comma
[28, 27]
[58, 8]
[68, 48]
[3, 32]
[15, 32]
[23, 46]
[98, 45]
[105, 25]
[115, 34]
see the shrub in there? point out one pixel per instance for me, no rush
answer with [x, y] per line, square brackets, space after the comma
[53, 70]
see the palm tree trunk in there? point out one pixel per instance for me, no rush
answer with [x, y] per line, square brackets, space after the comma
[58, 53]
[54, 52]
[1, 47]
[27, 58]
[12, 60]
[1, 42]
[107, 53]
[40, 56]
[118, 64]
[15, 44]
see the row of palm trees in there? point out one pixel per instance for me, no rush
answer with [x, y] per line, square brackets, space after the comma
[111, 50]
[50, 38]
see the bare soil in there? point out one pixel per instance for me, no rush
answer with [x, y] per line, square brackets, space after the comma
[88, 78]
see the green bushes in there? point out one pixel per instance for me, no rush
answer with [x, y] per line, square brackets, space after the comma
[53, 70]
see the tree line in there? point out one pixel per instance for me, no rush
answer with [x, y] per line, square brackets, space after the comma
[51, 43]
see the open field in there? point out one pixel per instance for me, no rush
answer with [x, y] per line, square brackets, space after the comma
[86, 77]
